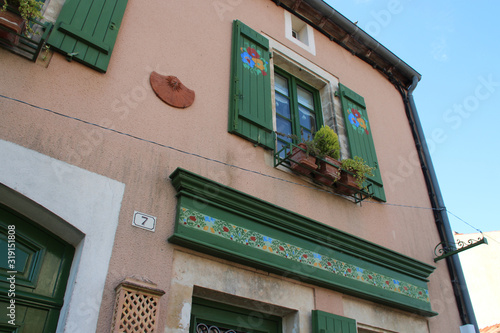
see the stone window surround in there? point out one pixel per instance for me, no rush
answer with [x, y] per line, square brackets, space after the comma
[239, 286]
[326, 83]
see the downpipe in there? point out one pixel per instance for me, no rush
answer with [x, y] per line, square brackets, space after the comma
[443, 224]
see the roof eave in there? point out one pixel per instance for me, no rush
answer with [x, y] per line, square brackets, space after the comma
[339, 29]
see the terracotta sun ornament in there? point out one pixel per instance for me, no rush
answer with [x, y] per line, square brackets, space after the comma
[171, 90]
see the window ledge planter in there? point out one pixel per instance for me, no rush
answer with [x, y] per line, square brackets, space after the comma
[287, 157]
[11, 26]
[347, 184]
[24, 37]
[301, 161]
[329, 171]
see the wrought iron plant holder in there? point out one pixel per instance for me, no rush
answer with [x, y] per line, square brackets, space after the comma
[446, 249]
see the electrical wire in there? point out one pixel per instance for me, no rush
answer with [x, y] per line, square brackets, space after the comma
[221, 162]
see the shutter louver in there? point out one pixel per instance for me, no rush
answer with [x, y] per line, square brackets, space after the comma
[324, 322]
[360, 137]
[86, 31]
[250, 107]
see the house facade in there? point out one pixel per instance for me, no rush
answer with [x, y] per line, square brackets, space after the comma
[148, 181]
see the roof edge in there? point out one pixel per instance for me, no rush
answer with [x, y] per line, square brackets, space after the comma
[341, 30]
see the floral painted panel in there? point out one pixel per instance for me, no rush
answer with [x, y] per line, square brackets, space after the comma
[253, 60]
[197, 220]
[358, 121]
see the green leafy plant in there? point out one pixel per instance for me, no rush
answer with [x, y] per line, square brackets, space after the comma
[28, 9]
[309, 144]
[326, 142]
[311, 148]
[359, 168]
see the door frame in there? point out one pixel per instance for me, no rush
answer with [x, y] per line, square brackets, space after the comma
[62, 198]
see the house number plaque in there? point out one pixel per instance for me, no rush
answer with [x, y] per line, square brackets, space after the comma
[144, 221]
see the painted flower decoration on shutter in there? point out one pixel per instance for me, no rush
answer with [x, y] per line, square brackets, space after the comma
[247, 59]
[358, 121]
[253, 52]
[253, 60]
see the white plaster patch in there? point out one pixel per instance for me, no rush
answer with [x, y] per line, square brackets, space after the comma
[382, 319]
[85, 200]
[185, 316]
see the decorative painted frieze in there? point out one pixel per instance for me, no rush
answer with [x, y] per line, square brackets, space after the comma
[229, 224]
[256, 240]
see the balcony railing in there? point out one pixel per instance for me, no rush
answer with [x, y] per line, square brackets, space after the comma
[16, 37]
[285, 158]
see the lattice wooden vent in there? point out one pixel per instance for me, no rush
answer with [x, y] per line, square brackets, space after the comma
[136, 307]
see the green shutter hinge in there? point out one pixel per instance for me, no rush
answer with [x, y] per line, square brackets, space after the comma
[69, 56]
[112, 26]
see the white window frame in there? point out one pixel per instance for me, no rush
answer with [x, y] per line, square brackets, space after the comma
[304, 33]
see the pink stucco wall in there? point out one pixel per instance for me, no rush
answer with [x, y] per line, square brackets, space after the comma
[191, 40]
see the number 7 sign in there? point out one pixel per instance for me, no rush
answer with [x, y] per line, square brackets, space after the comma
[144, 221]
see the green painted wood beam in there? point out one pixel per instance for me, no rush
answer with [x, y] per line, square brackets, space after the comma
[204, 204]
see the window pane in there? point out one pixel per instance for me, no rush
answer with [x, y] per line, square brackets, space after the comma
[282, 106]
[307, 118]
[281, 84]
[305, 97]
[306, 135]
[282, 153]
[284, 126]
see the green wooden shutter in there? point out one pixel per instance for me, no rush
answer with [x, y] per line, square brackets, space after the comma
[360, 136]
[218, 315]
[324, 322]
[86, 31]
[250, 107]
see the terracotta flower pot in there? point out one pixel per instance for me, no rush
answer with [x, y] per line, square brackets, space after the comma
[10, 24]
[347, 184]
[301, 161]
[329, 173]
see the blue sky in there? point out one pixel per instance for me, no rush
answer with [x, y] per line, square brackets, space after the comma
[455, 46]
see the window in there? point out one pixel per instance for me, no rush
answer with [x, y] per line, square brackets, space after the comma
[298, 109]
[299, 32]
[86, 31]
[303, 100]
[208, 316]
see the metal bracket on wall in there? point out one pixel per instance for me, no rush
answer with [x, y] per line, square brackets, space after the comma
[445, 249]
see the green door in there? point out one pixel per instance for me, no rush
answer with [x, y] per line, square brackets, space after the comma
[34, 269]
[212, 317]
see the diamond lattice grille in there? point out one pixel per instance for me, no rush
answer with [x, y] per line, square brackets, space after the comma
[135, 310]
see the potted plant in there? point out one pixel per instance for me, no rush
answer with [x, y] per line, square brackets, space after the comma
[326, 142]
[28, 9]
[15, 21]
[354, 173]
[303, 158]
